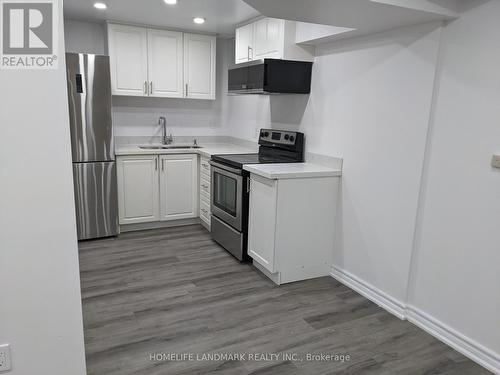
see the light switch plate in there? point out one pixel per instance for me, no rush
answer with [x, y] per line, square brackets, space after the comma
[5, 364]
[495, 161]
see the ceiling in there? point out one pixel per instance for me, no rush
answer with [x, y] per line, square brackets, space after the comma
[360, 17]
[221, 15]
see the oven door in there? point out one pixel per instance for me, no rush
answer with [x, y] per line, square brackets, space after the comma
[227, 195]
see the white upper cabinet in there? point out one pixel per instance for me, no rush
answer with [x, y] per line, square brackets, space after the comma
[161, 63]
[165, 63]
[269, 38]
[128, 55]
[199, 66]
[262, 222]
[244, 43]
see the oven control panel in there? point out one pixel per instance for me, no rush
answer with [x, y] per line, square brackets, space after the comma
[278, 136]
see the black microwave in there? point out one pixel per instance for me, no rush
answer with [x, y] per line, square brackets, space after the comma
[270, 76]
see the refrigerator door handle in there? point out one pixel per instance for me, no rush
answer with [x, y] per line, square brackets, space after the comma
[151, 88]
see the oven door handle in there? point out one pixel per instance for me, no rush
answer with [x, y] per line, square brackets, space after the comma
[237, 171]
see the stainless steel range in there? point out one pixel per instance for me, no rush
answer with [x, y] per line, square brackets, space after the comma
[229, 206]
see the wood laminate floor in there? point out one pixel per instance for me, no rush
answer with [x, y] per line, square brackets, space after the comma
[175, 291]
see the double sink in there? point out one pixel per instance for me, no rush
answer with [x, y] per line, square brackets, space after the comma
[168, 147]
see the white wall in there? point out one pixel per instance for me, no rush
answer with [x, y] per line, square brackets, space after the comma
[456, 274]
[370, 105]
[85, 37]
[41, 315]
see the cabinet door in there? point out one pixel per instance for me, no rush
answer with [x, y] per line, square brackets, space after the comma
[165, 63]
[243, 44]
[178, 186]
[199, 66]
[262, 222]
[268, 38]
[275, 38]
[128, 60]
[138, 189]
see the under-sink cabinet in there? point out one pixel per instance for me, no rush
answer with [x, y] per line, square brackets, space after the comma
[157, 187]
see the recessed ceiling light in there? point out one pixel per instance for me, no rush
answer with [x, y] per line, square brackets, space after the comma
[199, 20]
[170, 2]
[100, 5]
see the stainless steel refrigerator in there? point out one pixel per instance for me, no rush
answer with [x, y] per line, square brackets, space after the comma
[94, 167]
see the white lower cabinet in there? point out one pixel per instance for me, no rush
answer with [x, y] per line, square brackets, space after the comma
[262, 222]
[292, 226]
[138, 192]
[157, 187]
[178, 187]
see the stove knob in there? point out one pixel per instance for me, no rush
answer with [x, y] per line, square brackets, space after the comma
[292, 138]
[286, 137]
[266, 134]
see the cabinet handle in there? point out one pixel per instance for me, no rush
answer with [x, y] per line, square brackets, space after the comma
[162, 164]
[186, 90]
[151, 88]
[145, 87]
[156, 164]
[205, 186]
[250, 53]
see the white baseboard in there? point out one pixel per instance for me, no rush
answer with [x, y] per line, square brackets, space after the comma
[456, 340]
[461, 343]
[375, 295]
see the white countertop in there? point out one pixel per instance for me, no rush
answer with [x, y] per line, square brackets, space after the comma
[292, 170]
[206, 150]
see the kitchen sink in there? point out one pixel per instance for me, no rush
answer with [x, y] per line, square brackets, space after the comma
[168, 147]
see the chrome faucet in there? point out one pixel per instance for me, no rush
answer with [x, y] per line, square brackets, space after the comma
[162, 121]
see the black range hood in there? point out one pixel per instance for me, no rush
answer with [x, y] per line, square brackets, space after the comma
[270, 76]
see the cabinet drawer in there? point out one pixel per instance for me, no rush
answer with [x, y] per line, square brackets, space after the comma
[205, 168]
[204, 176]
[205, 211]
[204, 187]
[205, 198]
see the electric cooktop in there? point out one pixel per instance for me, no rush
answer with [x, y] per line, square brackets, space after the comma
[238, 160]
[275, 146]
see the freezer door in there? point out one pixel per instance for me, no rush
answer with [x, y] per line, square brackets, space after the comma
[89, 97]
[96, 199]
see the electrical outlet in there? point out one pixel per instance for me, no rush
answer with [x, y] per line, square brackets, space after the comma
[5, 364]
[495, 161]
